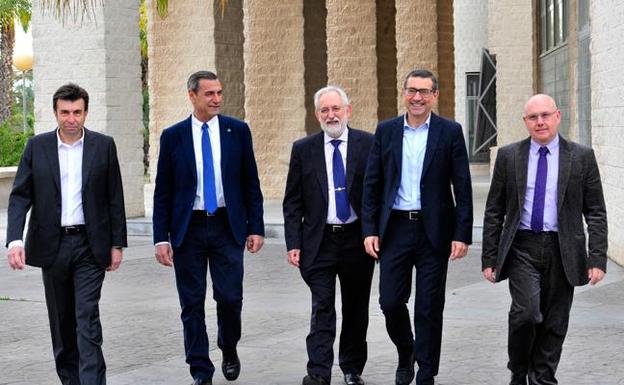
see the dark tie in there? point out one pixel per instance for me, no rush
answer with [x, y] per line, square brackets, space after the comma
[343, 211]
[210, 191]
[537, 216]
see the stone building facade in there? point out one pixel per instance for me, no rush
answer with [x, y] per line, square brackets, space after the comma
[572, 51]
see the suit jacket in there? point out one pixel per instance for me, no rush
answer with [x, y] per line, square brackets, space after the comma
[447, 215]
[579, 194]
[306, 197]
[176, 182]
[37, 186]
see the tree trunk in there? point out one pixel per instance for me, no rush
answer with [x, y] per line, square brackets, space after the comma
[7, 40]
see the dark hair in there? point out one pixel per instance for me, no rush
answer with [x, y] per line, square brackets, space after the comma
[420, 73]
[193, 81]
[71, 92]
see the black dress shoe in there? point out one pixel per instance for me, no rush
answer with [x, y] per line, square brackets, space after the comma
[230, 366]
[405, 374]
[353, 379]
[312, 379]
[518, 379]
[199, 381]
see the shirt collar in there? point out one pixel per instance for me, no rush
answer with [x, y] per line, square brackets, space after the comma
[343, 137]
[424, 125]
[60, 143]
[198, 123]
[552, 146]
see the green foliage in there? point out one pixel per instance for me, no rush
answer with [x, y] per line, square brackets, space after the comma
[15, 9]
[12, 142]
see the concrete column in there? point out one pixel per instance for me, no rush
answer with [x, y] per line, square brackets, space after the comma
[351, 56]
[102, 55]
[511, 39]
[446, 58]
[607, 117]
[274, 85]
[416, 39]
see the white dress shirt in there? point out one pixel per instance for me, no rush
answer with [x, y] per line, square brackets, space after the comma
[332, 217]
[70, 167]
[412, 162]
[215, 145]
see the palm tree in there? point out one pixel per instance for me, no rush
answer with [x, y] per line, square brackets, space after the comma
[9, 11]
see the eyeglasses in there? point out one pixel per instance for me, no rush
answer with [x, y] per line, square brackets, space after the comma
[334, 109]
[544, 115]
[424, 92]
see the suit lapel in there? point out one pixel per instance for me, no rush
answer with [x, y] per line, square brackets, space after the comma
[396, 144]
[225, 134]
[317, 153]
[565, 164]
[88, 154]
[186, 139]
[353, 153]
[432, 141]
[51, 149]
[522, 163]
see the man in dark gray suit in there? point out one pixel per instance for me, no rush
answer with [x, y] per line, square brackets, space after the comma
[533, 234]
[70, 181]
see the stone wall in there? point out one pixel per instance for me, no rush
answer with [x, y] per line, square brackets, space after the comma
[446, 58]
[607, 95]
[511, 39]
[470, 39]
[100, 54]
[351, 56]
[274, 86]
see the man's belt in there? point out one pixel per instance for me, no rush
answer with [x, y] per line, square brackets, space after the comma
[412, 215]
[75, 229]
[343, 228]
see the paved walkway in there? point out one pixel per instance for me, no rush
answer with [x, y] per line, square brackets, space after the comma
[143, 337]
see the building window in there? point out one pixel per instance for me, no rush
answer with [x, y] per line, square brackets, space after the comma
[472, 102]
[553, 24]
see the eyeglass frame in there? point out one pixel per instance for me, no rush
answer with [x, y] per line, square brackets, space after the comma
[424, 92]
[534, 118]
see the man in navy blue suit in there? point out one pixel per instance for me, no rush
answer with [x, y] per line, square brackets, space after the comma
[411, 218]
[207, 207]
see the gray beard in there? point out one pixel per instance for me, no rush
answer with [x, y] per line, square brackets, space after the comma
[334, 132]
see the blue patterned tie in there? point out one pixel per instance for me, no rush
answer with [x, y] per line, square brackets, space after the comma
[537, 215]
[343, 210]
[210, 191]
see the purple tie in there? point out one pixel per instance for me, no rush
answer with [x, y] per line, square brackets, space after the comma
[537, 216]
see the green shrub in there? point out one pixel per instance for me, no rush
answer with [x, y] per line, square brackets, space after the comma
[12, 142]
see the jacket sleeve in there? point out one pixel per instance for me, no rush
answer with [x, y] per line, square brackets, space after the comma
[373, 184]
[595, 213]
[494, 215]
[462, 189]
[116, 199]
[163, 190]
[293, 203]
[251, 187]
[21, 197]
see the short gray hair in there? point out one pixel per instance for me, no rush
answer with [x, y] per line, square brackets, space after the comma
[193, 81]
[328, 89]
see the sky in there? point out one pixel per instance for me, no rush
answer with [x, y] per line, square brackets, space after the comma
[23, 41]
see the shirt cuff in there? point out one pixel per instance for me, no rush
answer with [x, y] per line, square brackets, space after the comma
[17, 242]
[162, 243]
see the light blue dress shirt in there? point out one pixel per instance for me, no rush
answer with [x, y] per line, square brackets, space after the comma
[412, 160]
[550, 201]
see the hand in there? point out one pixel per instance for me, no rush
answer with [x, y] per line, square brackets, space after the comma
[458, 250]
[17, 257]
[293, 257]
[371, 245]
[254, 243]
[595, 275]
[490, 274]
[116, 256]
[164, 254]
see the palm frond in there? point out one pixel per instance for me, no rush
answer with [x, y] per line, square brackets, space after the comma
[62, 9]
[15, 9]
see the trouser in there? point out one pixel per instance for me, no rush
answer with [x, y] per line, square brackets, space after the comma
[341, 255]
[73, 284]
[209, 244]
[540, 308]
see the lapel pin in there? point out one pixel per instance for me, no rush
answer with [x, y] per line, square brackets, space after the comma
[229, 130]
